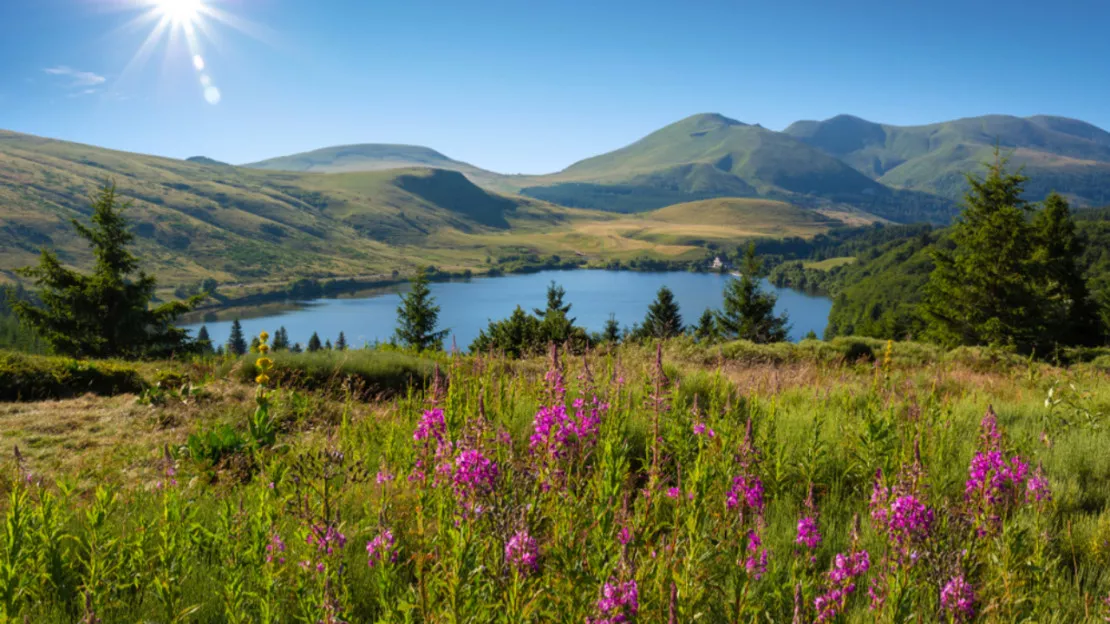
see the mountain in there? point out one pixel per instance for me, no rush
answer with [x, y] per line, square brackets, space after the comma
[709, 155]
[1057, 153]
[204, 160]
[195, 220]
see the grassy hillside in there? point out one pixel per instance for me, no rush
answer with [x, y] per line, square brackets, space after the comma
[1060, 154]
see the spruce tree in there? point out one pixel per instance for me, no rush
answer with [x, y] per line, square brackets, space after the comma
[204, 342]
[341, 342]
[314, 343]
[749, 313]
[612, 331]
[556, 324]
[107, 313]
[520, 334]
[983, 288]
[555, 295]
[280, 341]
[663, 319]
[255, 342]
[1072, 316]
[706, 329]
[327, 344]
[418, 316]
[296, 348]
[236, 343]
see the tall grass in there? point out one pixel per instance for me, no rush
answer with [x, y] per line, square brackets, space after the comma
[609, 488]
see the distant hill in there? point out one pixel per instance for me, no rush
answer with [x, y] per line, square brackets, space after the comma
[1066, 155]
[196, 220]
[204, 160]
[709, 155]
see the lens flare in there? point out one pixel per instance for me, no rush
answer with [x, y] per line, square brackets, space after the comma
[180, 11]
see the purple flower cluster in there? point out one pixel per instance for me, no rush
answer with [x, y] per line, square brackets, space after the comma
[756, 561]
[958, 598]
[557, 432]
[746, 494]
[809, 535]
[275, 549]
[1036, 488]
[381, 549]
[906, 521]
[842, 582]
[624, 536]
[993, 480]
[326, 539]
[432, 425]
[701, 430]
[521, 553]
[619, 602]
[474, 476]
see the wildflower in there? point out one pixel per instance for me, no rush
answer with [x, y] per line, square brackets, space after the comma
[808, 533]
[381, 549]
[383, 476]
[264, 336]
[1036, 488]
[904, 518]
[841, 583]
[674, 492]
[474, 475]
[432, 425]
[756, 562]
[990, 437]
[624, 536]
[958, 598]
[521, 553]
[619, 602]
[701, 429]
[327, 539]
[275, 548]
[746, 493]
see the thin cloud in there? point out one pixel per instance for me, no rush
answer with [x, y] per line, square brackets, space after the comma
[77, 79]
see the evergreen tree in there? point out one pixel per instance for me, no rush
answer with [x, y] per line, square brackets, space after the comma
[327, 344]
[296, 348]
[1072, 316]
[706, 329]
[612, 331]
[107, 313]
[254, 344]
[520, 334]
[341, 342]
[280, 341]
[749, 313]
[236, 343]
[417, 317]
[557, 326]
[314, 343]
[663, 319]
[204, 342]
[983, 288]
[555, 295]
[811, 335]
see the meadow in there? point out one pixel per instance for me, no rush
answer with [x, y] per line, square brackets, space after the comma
[849, 481]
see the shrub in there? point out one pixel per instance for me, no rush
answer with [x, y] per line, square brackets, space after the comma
[369, 371]
[33, 377]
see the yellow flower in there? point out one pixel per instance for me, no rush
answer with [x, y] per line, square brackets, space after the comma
[264, 363]
[264, 336]
[263, 348]
[262, 379]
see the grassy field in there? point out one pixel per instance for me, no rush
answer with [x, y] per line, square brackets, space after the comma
[830, 263]
[740, 483]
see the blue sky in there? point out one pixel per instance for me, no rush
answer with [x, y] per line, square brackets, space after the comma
[529, 86]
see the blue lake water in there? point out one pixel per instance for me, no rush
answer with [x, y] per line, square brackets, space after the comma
[467, 306]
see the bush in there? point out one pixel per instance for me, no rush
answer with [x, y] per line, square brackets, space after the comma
[370, 371]
[34, 377]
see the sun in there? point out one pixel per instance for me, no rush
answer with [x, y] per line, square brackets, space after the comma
[180, 12]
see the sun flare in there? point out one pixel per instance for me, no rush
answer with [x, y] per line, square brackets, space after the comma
[182, 12]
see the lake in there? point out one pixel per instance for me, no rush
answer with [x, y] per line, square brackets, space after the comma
[467, 306]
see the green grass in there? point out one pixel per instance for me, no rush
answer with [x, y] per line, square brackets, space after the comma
[36, 377]
[830, 263]
[362, 372]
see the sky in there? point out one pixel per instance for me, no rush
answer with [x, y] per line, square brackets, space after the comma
[524, 86]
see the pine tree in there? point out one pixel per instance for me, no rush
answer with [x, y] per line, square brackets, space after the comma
[296, 348]
[417, 317]
[555, 295]
[556, 325]
[1072, 316]
[612, 331]
[204, 342]
[983, 288]
[341, 342]
[663, 319]
[281, 339]
[236, 343]
[107, 313]
[520, 334]
[327, 344]
[706, 329]
[314, 343]
[749, 313]
[255, 342]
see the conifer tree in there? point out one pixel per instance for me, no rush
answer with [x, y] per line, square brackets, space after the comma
[107, 313]
[983, 288]
[296, 348]
[749, 313]
[281, 340]
[341, 342]
[706, 329]
[327, 344]
[314, 343]
[663, 319]
[557, 326]
[204, 342]
[555, 295]
[255, 342]
[520, 334]
[418, 316]
[236, 343]
[612, 331]
[1072, 316]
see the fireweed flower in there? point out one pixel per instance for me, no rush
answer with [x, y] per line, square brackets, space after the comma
[746, 493]
[756, 561]
[673, 492]
[432, 425]
[809, 535]
[521, 553]
[958, 598]
[619, 602]
[380, 549]
[1036, 488]
[474, 476]
[275, 549]
[326, 539]
[905, 520]
[700, 429]
[996, 485]
[624, 536]
[383, 476]
[841, 583]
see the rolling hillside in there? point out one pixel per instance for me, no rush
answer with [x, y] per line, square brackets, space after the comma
[1057, 153]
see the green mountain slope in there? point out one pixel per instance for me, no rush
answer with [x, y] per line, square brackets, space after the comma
[198, 219]
[709, 155]
[1061, 154]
